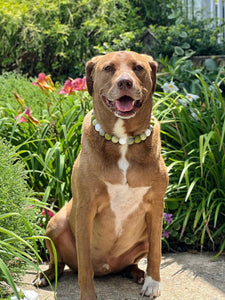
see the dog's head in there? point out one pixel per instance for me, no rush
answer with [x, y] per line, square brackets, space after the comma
[122, 81]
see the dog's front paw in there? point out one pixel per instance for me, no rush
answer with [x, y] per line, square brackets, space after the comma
[150, 287]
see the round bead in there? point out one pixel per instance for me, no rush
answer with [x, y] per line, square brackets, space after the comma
[97, 127]
[108, 137]
[102, 132]
[115, 139]
[148, 132]
[143, 136]
[122, 141]
[130, 141]
[137, 139]
[94, 122]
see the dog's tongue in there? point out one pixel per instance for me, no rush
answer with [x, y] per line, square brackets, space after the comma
[124, 104]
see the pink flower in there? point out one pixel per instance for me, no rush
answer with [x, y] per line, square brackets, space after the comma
[79, 84]
[44, 82]
[50, 213]
[26, 116]
[166, 234]
[22, 119]
[67, 88]
[72, 85]
[29, 207]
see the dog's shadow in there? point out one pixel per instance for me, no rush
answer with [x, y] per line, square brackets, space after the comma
[109, 287]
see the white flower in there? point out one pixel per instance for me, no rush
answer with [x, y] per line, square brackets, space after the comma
[214, 88]
[191, 97]
[182, 102]
[169, 87]
[194, 113]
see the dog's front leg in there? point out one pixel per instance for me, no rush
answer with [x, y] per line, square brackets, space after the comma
[154, 216]
[84, 226]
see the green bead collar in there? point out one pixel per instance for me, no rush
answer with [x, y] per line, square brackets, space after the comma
[122, 141]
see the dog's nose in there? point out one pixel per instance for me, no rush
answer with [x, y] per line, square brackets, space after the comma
[125, 83]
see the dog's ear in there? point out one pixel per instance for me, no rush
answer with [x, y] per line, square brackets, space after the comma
[154, 67]
[90, 65]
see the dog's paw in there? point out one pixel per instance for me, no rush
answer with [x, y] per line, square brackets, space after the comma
[150, 287]
[40, 282]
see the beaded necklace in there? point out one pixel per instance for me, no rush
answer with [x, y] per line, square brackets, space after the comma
[122, 141]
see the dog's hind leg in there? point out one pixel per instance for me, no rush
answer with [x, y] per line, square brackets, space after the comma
[58, 230]
[134, 273]
[49, 274]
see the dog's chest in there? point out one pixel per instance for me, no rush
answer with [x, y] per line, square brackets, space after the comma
[124, 200]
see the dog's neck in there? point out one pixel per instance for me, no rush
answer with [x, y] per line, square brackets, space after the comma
[121, 137]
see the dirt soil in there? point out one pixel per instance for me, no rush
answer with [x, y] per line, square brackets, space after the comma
[184, 276]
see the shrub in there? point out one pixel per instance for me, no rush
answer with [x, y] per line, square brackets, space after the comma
[59, 37]
[187, 36]
[17, 217]
[157, 11]
[14, 82]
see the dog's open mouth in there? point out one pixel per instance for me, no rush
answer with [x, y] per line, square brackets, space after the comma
[124, 107]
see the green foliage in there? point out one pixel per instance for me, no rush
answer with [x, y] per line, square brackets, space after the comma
[126, 41]
[60, 36]
[17, 217]
[48, 149]
[193, 134]
[186, 36]
[14, 82]
[182, 71]
[158, 12]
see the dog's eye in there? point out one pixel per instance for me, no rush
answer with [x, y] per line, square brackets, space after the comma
[108, 68]
[138, 68]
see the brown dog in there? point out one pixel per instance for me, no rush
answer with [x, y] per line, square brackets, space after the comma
[118, 182]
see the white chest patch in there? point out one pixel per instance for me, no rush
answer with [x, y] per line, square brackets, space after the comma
[123, 164]
[124, 200]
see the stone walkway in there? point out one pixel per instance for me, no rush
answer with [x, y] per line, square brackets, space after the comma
[184, 276]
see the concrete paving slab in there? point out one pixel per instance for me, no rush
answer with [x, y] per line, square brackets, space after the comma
[184, 276]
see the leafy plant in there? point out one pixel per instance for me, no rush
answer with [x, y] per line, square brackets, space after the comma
[193, 134]
[187, 36]
[157, 11]
[48, 146]
[17, 218]
[59, 37]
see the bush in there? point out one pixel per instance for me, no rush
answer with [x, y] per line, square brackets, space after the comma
[17, 217]
[59, 37]
[157, 12]
[14, 82]
[187, 36]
